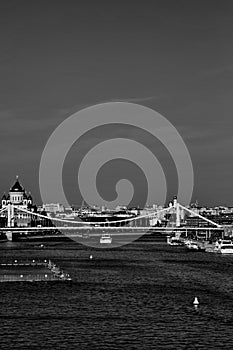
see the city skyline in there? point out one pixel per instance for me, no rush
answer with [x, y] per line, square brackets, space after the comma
[175, 58]
[28, 195]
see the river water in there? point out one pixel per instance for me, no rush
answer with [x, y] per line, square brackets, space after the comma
[135, 297]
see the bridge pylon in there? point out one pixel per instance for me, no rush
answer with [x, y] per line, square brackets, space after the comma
[10, 215]
[177, 208]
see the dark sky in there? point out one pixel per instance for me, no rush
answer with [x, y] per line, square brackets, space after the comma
[173, 56]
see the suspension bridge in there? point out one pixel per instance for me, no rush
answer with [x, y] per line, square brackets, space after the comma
[132, 226]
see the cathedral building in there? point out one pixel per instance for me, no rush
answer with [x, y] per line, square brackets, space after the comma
[21, 200]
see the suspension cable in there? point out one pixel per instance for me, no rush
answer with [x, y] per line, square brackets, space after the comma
[94, 222]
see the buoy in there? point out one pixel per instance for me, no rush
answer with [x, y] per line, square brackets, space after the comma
[196, 301]
[90, 257]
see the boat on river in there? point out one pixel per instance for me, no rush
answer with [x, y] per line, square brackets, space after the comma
[174, 241]
[226, 249]
[224, 246]
[192, 245]
[105, 239]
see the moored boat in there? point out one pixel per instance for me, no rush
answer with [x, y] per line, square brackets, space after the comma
[226, 249]
[174, 241]
[221, 247]
[224, 246]
[192, 245]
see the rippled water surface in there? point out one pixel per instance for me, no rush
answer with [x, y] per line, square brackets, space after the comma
[135, 297]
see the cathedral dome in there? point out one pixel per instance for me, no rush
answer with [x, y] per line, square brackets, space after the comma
[17, 187]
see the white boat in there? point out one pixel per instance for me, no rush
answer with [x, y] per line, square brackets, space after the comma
[192, 245]
[105, 239]
[174, 241]
[224, 247]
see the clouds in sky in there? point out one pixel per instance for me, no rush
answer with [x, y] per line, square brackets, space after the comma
[174, 57]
